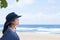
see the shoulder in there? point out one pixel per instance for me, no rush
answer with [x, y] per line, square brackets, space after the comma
[9, 35]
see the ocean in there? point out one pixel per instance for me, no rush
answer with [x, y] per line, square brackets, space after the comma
[54, 29]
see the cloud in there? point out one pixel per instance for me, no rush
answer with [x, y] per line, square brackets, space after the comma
[2, 17]
[16, 6]
[40, 18]
[21, 3]
[28, 1]
[51, 1]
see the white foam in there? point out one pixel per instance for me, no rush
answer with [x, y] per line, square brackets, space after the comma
[42, 30]
[24, 28]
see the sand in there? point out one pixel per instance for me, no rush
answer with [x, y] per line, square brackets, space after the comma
[37, 36]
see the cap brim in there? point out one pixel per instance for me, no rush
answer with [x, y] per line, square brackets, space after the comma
[18, 16]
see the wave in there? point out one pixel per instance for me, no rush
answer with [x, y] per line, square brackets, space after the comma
[40, 30]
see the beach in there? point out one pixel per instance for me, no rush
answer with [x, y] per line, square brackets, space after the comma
[37, 36]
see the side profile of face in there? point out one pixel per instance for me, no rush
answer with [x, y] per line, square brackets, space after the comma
[16, 21]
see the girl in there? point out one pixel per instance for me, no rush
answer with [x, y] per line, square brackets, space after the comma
[9, 32]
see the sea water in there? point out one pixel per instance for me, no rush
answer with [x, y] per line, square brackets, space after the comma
[55, 29]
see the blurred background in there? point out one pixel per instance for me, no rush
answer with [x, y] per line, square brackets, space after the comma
[37, 15]
[40, 18]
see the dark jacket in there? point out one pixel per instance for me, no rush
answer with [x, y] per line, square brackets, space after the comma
[10, 35]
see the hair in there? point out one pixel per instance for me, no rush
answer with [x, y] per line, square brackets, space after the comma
[5, 27]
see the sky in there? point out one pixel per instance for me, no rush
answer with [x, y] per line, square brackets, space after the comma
[33, 11]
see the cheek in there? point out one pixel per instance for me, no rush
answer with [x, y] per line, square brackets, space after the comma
[16, 22]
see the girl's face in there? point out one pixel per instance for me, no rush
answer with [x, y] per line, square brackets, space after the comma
[16, 21]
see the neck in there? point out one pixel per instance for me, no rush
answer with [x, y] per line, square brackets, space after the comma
[12, 27]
